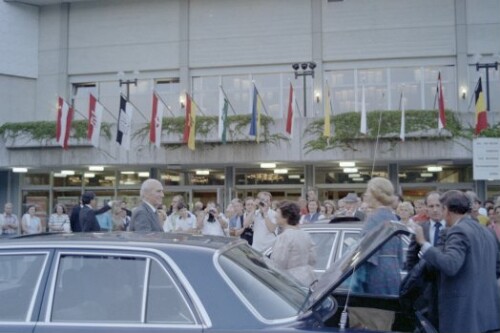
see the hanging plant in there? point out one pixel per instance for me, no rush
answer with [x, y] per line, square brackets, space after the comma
[46, 130]
[346, 128]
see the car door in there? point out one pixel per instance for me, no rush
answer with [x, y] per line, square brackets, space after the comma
[23, 274]
[113, 291]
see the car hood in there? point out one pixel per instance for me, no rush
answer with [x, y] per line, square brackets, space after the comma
[363, 249]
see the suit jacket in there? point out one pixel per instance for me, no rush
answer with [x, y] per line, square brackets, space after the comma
[88, 221]
[414, 248]
[74, 219]
[145, 219]
[468, 302]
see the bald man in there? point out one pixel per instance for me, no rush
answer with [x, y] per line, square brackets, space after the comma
[144, 217]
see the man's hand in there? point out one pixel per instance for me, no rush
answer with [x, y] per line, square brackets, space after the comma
[419, 234]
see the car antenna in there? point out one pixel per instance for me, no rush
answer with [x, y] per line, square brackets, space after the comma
[345, 315]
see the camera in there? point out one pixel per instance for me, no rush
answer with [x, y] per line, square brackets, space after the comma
[262, 204]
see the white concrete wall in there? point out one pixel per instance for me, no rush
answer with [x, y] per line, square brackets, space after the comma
[483, 26]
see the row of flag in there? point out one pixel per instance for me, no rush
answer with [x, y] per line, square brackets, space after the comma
[65, 114]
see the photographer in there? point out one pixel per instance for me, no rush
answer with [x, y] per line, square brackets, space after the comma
[264, 223]
[212, 223]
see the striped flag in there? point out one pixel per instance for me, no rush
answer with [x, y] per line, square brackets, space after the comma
[190, 123]
[124, 130]
[95, 119]
[156, 121]
[481, 115]
[223, 106]
[328, 111]
[363, 128]
[442, 115]
[291, 111]
[256, 110]
[63, 124]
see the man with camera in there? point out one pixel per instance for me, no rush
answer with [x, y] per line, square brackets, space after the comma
[212, 223]
[264, 223]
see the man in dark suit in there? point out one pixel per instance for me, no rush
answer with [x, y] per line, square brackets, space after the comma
[466, 303]
[144, 217]
[74, 218]
[88, 221]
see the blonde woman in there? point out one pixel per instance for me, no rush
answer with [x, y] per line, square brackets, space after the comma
[405, 211]
[329, 209]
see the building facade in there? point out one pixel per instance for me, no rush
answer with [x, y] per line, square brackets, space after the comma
[71, 48]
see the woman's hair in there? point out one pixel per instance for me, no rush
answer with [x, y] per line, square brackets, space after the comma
[330, 203]
[59, 205]
[290, 211]
[381, 190]
[318, 205]
[406, 205]
[29, 207]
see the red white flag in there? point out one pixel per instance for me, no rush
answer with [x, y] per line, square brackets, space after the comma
[95, 119]
[63, 126]
[156, 121]
[442, 115]
[291, 111]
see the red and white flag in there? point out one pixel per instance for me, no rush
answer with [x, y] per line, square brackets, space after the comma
[291, 111]
[95, 119]
[63, 126]
[442, 115]
[156, 121]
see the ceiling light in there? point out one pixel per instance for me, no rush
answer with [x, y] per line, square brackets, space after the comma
[127, 172]
[59, 175]
[294, 177]
[281, 171]
[435, 168]
[358, 179]
[426, 174]
[202, 172]
[109, 178]
[68, 172]
[350, 170]
[143, 174]
[354, 175]
[88, 174]
[347, 164]
[19, 170]
[96, 168]
[268, 165]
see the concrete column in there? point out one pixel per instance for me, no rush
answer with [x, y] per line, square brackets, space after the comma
[184, 47]
[480, 189]
[154, 173]
[228, 184]
[393, 174]
[310, 179]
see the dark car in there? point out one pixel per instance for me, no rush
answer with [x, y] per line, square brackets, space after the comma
[132, 282]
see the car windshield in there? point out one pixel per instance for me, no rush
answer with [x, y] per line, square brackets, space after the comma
[271, 295]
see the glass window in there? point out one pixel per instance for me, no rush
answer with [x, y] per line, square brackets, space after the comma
[19, 281]
[449, 174]
[375, 82]
[172, 178]
[324, 242]
[448, 80]
[409, 81]
[82, 92]
[106, 178]
[36, 178]
[166, 303]
[94, 288]
[215, 177]
[348, 239]
[253, 276]
[206, 94]
[61, 180]
[169, 90]
[270, 89]
[269, 177]
[237, 88]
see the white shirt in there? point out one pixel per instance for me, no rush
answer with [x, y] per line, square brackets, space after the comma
[176, 223]
[262, 237]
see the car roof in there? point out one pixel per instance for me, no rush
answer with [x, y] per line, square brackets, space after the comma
[326, 225]
[136, 239]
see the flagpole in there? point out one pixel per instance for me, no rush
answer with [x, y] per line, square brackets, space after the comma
[106, 109]
[227, 98]
[163, 102]
[436, 95]
[265, 109]
[197, 106]
[137, 109]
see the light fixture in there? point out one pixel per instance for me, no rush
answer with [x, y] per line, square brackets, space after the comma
[59, 175]
[143, 174]
[202, 172]
[96, 168]
[435, 168]
[68, 172]
[463, 92]
[109, 178]
[88, 175]
[317, 96]
[354, 175]
[350, 170]
[268, 165]
[426, 174]
[347, 164]
[19, 170]
[281, 171]
[294, 177]
[358, 179]
[182, 100]
[127, 172]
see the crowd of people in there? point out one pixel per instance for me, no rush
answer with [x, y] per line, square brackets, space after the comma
[454, 240]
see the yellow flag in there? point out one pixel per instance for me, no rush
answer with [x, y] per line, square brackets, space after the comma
[328, 112]
[192, 128]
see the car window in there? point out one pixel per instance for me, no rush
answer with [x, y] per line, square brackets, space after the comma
[348, 239]
[273, 295]
[324, 245]
[110, 289]
[165, 301]
[20, 276]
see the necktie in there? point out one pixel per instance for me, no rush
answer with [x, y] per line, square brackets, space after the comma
[437, 226]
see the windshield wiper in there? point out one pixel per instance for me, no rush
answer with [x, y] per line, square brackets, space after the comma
[309, 293]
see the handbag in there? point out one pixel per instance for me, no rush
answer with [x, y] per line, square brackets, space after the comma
[247, 233]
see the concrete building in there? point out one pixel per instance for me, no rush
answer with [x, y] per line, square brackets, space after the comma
[70, 48]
